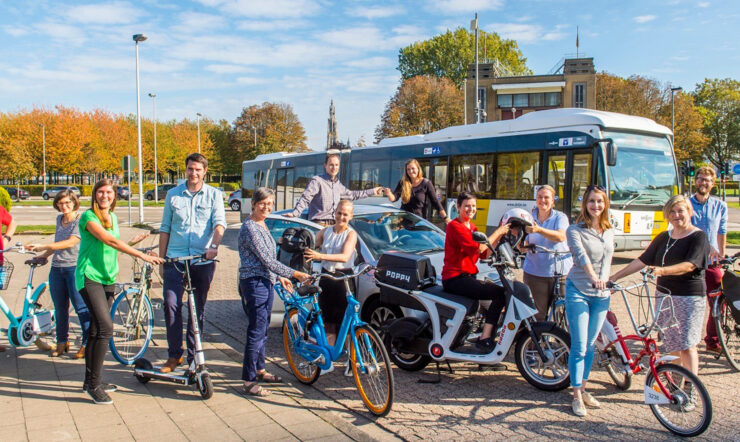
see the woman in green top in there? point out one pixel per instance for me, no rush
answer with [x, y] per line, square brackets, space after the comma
[95, 278]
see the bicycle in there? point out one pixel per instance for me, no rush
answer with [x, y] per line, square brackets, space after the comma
[726, 312]
[132, 314]
[556, 307]
[676, 396]
[37, 318]
[308, 351]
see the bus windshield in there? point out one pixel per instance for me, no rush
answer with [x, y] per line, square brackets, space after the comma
[645, 173]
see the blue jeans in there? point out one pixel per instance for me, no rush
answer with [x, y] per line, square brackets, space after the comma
[586, 315]
[62, 289]
[258, 294]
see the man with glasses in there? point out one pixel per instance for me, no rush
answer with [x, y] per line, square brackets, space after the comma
[710, 215]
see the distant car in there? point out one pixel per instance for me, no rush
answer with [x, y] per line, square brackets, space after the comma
[161, 192]
[17, 194]
[235, 200]
[51, 193]
[123, 193]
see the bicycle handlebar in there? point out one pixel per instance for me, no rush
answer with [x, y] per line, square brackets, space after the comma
[18, 248]
[364, 269]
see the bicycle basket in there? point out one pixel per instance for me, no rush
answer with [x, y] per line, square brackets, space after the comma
[6, 269]
[731, 290]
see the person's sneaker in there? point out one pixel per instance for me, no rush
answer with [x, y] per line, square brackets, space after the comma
[348, 370]
[590, 401]
[99, 396]
[108, 388]
[485, 345]
[327, 371]
[578, 408]
[716, 349]
[691, 397]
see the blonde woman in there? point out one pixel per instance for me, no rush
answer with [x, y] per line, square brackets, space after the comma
[591, 243]
[679, 258]
[416, 192]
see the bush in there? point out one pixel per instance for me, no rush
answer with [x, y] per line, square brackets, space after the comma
[228, 187]
[5, 200]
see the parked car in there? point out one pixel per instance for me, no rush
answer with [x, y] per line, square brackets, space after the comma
[123, 193]
[17, 194]
[51, 193]
[379, 229]
[235, 200]
[161, 192]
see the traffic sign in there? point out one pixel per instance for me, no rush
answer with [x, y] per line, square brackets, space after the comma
[736, 169]
[127, 162]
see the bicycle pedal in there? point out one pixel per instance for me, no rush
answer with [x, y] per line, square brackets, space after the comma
[156, 305]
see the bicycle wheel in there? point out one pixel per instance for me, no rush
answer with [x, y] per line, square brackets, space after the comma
[305, 371]
[728, 332]
[690, 412]
[551, 375]
[373, 376]
[133, 322]
[622, 379]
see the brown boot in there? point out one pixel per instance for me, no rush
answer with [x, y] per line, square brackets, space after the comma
[60, 350]
[171, 364]
[80, 353]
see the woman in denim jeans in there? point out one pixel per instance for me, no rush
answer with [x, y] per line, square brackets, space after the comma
[65, 248]
[591, 243]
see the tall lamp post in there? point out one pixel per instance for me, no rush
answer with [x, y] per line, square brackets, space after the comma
[474, 27]
[673, 116]
[198, 115]
[154, 111]
[43, 158]
[139, 38]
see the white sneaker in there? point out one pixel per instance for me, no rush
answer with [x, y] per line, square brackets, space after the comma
[328, 370]
[590, 401]
[348, 371]
[578, 408]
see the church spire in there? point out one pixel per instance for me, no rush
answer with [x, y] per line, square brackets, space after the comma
[331, 136]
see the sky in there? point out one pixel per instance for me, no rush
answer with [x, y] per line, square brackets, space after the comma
[217, 57]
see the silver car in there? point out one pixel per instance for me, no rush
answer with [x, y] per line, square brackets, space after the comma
[379, 229]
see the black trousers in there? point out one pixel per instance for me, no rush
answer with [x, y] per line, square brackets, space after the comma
[333, 297]
[98, 298]
[469, 287]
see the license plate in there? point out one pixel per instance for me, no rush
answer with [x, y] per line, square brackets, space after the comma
[644, 243]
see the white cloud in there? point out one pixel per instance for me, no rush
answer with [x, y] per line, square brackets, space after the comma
[272, 9]
[227, 69]
[274, 25]
[372, 63]
[522, 33]
[703, 4]
[644, 18]
[103, 13]
[680, 58]
[372, 12]
[251, 80]
[466, 6]
[196, 21]
[62, 34]
[15, 31]
[360, 37]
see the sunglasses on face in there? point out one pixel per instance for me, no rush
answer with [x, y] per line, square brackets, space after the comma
[595, 187]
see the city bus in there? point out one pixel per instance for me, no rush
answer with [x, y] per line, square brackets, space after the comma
[504, 162]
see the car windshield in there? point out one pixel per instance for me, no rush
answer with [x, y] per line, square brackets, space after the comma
[645, 173]
[399, 231]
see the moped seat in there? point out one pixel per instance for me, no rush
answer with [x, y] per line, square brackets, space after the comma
[471, 305]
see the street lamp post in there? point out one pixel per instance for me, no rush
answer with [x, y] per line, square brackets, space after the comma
[474, 27]
[154, 112]
[673, 117]
[43, 158]
[139, 38]
[198, 115]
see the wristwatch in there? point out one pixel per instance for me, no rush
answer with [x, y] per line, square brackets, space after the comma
[214, 246]
[7, 237]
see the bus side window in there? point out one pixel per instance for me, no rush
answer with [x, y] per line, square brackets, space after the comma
[516, 175]
[473, 173]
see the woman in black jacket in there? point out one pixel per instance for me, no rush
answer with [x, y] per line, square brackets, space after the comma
[416, 192]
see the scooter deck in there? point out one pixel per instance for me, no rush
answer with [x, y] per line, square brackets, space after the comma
[182, 377]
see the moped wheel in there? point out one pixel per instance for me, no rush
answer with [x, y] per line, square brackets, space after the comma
[205, 386]
[144, 365]
[550, 375]
[133, 322]
[690, 412]
[372, 371]
[728, 333]
[622, 380]
[305, 371]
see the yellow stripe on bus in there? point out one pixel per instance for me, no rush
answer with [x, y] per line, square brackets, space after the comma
[481, 215]
[659, 224]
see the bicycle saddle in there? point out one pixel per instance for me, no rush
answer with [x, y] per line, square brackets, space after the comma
[307, 290]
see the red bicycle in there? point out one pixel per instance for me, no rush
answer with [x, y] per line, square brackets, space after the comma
[677, 397]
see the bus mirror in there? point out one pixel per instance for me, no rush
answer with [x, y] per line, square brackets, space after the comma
[611, 153]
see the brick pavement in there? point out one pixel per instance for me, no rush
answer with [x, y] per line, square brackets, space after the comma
[467, 404]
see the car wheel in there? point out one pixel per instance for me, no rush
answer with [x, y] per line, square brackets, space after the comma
[45, 196]
[150, 198]
[236, 205]
[377, 314]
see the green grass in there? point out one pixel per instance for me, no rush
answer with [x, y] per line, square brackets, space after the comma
[733, 238]
[40, 229]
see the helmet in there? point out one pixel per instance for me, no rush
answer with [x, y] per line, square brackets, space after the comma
[517, 218]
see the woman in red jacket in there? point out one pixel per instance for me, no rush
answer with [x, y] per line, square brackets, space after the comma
[459, 270]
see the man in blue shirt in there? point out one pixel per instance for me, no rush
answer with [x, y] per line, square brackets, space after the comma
[193, 223]
[710, 215]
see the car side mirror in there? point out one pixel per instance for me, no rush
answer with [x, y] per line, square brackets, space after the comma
[480, 238]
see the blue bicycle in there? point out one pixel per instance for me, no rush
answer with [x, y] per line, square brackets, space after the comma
[308, 351]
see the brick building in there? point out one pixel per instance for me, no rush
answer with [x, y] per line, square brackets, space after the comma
[503, 97]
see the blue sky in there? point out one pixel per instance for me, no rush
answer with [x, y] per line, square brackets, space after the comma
[218, 56]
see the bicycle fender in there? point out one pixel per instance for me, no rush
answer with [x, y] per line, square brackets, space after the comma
[653, 396]
[39, 290]
[537, 327]
[665, 358]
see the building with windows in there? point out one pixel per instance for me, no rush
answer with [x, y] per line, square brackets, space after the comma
[502, 98]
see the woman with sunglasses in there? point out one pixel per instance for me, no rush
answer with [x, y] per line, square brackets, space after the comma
[591, 243]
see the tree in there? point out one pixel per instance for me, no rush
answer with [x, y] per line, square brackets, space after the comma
[449, 55]
[719, 104]
[270, 127]
[646, 97]
[421, 104]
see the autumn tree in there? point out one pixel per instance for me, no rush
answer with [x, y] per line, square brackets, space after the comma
[719, 104]
[449, 55]
[421, 105]
[265, 128]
